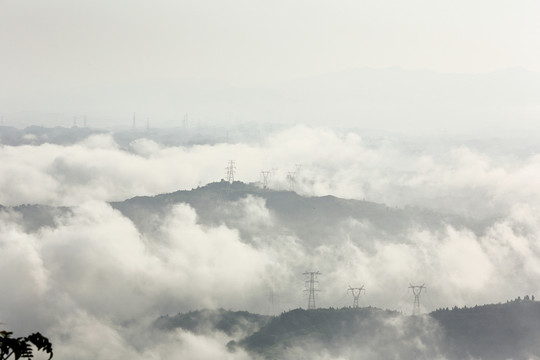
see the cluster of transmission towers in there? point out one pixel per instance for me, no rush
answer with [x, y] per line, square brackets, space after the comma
[311, 285]
[230, 172]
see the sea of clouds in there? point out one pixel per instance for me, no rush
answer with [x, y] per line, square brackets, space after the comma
[93, 283]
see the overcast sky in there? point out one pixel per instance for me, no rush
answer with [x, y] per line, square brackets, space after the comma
[58, 46]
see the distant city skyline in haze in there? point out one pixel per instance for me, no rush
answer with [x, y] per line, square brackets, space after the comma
[74, 58]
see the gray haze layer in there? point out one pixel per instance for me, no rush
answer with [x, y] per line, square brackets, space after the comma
[416, 67]
[391, 100]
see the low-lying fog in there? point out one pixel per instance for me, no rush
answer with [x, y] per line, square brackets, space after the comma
[93, 282]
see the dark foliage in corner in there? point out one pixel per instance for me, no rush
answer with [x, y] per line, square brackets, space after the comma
[21, 348]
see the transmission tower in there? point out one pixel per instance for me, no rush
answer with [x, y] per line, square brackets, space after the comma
[291, 178]
[271, 298]
[265, 175]
[417, 290]
[356, 294]
[310, 284]
[185, 121]
[231, 168]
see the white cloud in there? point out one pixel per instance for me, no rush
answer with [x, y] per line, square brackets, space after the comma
[94, 272]
[455, 179]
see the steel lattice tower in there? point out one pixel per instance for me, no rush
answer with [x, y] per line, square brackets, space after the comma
[417, 290]
[311, 288]
[265, 175]
[291, 178]
[231, 168]
[356, 294]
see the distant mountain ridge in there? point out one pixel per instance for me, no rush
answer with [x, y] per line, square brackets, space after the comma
[310, 217]
[315, 218]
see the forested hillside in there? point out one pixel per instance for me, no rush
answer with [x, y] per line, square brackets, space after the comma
[232, 323]
[499, 331]
[312, 219]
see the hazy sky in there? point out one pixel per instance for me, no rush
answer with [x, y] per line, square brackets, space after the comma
[68, 42]
[80, 57]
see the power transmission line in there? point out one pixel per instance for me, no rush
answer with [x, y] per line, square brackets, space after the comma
[271, 299]
[265, 175]
[231, 169]
[417, 290]
[291, 178]
[311, 288]
[356, 294]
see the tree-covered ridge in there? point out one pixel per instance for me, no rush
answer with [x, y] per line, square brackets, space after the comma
[201, 321]
[494, 331]
[342, 331]
[310, 217]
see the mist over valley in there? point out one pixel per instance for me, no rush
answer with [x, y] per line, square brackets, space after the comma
[104, 237]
